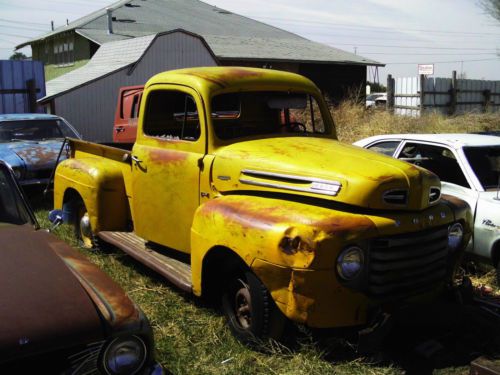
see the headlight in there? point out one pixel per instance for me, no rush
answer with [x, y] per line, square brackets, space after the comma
[124, 355]
[350, 263]
[455, 236]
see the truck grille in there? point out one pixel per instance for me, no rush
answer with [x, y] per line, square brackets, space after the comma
[407, 264]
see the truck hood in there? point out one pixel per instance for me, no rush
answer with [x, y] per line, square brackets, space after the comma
[44, 307]
[324, 168]
[34, 155]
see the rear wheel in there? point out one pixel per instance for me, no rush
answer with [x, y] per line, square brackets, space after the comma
[250, 310]
[498, 273]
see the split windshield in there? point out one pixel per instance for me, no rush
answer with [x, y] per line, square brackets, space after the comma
[34, 130]
[12, 208]
[485, 161]
[262, 113]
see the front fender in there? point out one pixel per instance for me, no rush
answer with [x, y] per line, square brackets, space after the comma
[285, 233]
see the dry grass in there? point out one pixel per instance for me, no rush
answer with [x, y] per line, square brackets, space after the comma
[354, 122]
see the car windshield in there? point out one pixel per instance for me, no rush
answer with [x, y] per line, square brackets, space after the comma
[374, 96]
[266, 113]
[34, 130]
[12, 207]
[485, 161]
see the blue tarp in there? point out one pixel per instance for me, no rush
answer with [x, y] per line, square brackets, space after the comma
[14, 75]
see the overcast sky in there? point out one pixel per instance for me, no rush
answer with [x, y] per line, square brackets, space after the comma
[451, 34]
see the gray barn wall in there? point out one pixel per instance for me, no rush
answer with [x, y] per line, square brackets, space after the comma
[91, 108]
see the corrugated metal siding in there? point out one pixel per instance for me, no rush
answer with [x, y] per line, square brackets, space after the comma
[13, 76]
[91, 108]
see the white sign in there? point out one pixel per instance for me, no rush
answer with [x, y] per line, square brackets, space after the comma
[426, 69]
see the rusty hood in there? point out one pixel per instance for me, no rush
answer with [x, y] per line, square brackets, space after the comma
[44, 307]
[32, 155]
[324, 168]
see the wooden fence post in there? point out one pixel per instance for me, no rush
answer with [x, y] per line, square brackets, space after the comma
[390, 94]
[453, 94]
[422, 94]
[486, 100]
[31, 89]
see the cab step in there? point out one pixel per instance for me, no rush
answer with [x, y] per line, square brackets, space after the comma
[174, 270]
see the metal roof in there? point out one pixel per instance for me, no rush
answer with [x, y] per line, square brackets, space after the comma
[454, 140]
[228, 34]
[109, 58]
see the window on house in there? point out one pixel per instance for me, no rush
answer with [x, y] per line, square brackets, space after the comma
[171, 115]
[64, 50]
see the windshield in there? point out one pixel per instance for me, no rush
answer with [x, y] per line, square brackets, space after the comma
[258, 113]
[34, 130]
[374, 96]
[12, 208]
[485, 161]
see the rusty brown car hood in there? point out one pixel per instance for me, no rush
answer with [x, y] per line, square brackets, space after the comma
[43, 305]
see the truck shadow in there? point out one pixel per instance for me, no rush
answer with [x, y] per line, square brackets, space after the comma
[438, 336]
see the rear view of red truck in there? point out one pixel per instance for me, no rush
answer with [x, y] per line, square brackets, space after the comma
[127, 112]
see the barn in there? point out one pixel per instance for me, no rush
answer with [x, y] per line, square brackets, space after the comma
[132, 40]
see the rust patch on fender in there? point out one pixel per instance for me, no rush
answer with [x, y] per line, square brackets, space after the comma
[78, 165]
[111, 300]
[340, 224]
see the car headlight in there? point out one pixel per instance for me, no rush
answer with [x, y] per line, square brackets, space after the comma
[124, 355]
[350, 263]
[455, 236]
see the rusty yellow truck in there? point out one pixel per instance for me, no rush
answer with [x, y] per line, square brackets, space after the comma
[237, 188]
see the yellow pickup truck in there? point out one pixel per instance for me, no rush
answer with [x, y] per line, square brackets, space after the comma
[236, 188]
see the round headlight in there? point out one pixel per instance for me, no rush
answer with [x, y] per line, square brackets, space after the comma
[124, 355]
[455, 236]
[350, 263]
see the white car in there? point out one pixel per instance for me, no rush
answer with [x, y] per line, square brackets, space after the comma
[469, 168]
[376, 100]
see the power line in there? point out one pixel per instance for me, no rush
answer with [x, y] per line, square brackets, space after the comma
[431, 54]
[26, 28]
[379, 28]
[24, 22]
[407, 47]
[439, 62]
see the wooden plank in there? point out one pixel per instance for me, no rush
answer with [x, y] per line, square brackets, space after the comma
[174, 270]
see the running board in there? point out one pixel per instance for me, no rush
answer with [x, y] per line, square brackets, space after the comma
[175, 271]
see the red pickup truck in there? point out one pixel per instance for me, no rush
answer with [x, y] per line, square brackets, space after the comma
[127, 112]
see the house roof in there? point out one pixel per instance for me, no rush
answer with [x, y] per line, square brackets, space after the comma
[229, 35]
[109, 58]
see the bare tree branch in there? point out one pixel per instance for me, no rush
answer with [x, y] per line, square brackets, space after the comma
[492, 7]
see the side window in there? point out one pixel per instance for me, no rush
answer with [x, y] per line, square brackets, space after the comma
[438, 160]
[386, 147]
[171, 115]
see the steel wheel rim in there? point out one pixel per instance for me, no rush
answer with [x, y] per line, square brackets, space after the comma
[243, 307]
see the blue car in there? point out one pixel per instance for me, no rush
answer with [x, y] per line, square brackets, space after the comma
[30, 144]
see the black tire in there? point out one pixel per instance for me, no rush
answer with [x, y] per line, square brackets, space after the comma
[252, 315]
[498, 273]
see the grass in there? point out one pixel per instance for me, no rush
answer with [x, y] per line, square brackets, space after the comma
[192, 338]
[53, 71]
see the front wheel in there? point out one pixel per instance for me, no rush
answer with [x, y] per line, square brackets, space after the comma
[250, 310]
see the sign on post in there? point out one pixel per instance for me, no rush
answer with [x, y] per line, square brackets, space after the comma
[426, 69]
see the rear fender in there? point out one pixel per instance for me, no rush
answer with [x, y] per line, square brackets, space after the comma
[101, 187]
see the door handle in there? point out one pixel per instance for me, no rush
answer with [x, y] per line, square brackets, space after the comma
[136, 160]
[119, 129]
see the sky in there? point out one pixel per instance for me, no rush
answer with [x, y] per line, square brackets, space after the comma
[450, 34]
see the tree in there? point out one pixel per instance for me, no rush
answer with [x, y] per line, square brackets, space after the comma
[492, 7]
[18, 56]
